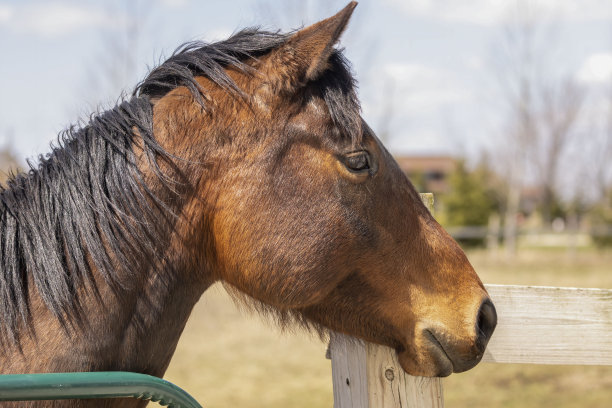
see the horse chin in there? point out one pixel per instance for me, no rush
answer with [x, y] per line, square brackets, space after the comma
[432, 361]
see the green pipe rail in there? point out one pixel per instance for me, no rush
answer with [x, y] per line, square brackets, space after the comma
[109, 384]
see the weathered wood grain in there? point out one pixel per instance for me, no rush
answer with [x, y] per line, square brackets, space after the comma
[367, 375]
[348, 357]
[390, 386]
[547, 325]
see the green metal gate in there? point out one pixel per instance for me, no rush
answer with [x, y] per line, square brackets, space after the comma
[111, 384]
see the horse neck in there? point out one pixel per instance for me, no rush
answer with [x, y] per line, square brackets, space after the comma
[131, 326]
[151, 322]
[127, 329]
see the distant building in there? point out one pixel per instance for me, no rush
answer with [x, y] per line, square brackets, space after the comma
[428, 173]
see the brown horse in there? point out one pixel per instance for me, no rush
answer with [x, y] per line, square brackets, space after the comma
[244, 161]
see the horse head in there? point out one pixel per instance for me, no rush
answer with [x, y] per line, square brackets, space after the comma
[302, 208]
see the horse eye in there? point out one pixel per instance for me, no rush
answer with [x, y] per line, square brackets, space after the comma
[358, 161]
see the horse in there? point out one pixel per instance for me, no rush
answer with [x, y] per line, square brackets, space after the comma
[245, 161]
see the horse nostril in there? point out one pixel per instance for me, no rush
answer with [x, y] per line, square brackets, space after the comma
[487, 320]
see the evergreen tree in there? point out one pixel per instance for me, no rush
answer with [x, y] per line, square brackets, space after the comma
[469, 201]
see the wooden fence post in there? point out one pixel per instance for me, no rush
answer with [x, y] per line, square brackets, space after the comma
[367, 375]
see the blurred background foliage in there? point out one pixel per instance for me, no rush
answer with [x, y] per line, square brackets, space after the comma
[471, 198]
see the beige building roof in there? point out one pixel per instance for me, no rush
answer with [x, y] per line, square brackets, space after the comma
[432, 171]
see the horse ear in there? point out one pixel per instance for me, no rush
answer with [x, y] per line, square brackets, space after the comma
[310, 48]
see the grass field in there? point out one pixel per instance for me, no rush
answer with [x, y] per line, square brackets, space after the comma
[229, 358]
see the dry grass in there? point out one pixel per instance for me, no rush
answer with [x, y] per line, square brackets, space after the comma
[552, 267]
[227, 358]
[522, 385]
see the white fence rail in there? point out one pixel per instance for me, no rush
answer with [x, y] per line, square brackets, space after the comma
[546, 325]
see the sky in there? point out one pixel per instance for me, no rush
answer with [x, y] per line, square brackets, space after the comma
[429, 78]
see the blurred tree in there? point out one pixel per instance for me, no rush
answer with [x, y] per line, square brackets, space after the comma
[561, 103]
[419, 182]
[601, 218]
[601, 215]
[599, 153]
[542, 107]
[114, 68]
[470, 200]
[517, 68]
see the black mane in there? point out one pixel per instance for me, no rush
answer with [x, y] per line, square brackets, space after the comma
[201, 59]
[198, 58]
[86, 206]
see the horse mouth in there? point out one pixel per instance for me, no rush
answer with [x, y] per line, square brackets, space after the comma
[432, 359]
[442, 360]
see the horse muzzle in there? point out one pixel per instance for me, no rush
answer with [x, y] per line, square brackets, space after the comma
[442, 352]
